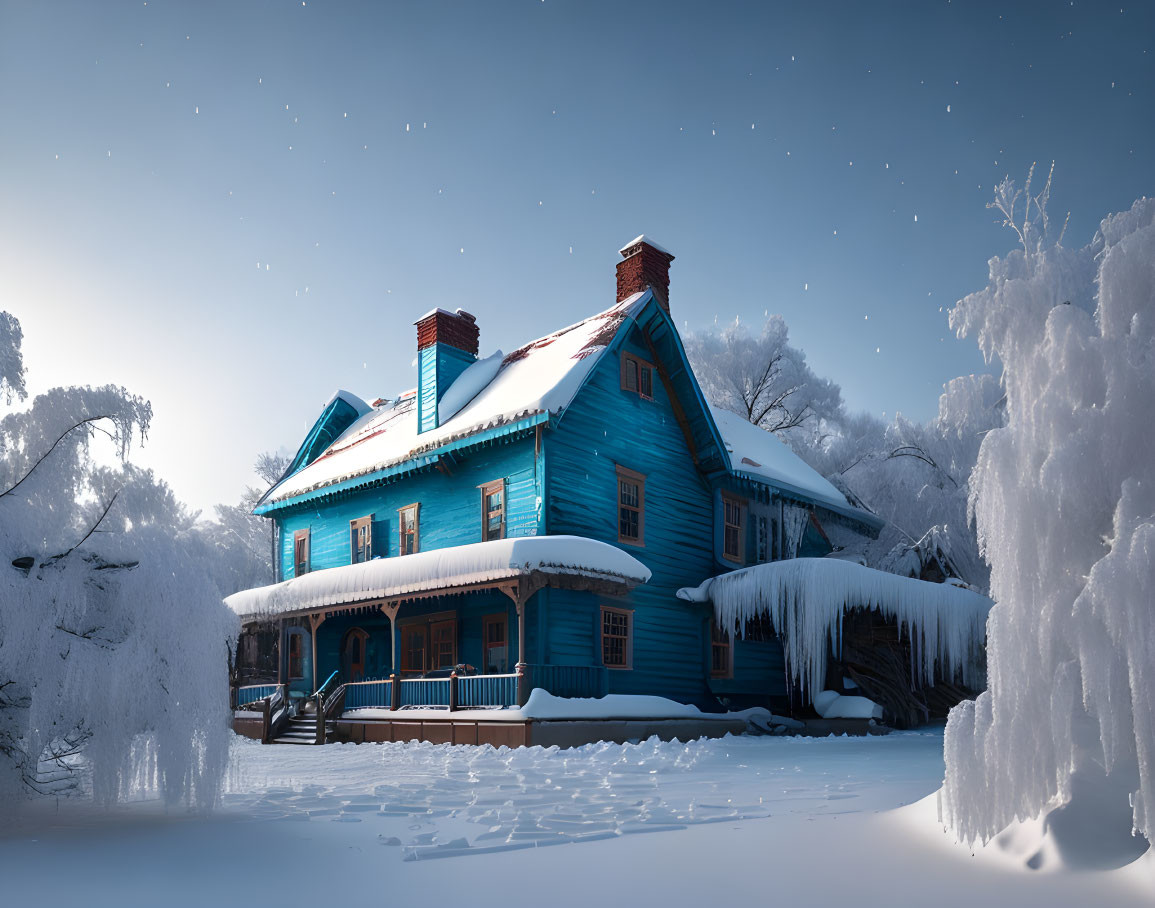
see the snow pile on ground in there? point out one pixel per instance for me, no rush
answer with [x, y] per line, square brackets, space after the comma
[832, 705]
[1064, 497]
[806, 598]
[480, 562]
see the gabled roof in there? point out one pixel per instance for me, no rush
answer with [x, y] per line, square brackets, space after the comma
[538, 379]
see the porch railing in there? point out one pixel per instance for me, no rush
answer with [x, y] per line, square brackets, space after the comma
[362, 694]
[254, 692]
[465, 691]
[486, 690]
[425, 691]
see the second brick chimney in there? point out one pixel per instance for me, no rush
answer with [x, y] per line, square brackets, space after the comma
[447, 344]
[644, 264]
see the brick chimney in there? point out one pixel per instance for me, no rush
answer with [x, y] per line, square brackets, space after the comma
[644, 264]
[446, 347]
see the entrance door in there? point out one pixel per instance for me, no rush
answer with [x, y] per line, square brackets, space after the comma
[353, 654]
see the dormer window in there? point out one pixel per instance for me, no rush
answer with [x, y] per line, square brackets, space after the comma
[637, 376]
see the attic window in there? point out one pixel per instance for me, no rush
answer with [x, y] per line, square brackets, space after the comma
[360, 539]
[637, 376]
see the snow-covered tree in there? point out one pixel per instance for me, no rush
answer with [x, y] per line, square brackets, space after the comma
[762, 378]
[113, 636]
[1064, 498]
[246, 543]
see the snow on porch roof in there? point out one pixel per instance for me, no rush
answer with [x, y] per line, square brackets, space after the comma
[458, 566]
[541, 377]
[805, 599]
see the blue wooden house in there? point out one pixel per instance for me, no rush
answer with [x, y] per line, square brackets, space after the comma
[528, 517]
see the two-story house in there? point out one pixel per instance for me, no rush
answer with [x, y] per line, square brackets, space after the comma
[533, 514]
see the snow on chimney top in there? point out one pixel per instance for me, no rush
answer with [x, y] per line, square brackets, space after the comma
[440, 326]
[645, 264]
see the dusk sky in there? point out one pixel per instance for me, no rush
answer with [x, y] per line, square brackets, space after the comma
[234, 209]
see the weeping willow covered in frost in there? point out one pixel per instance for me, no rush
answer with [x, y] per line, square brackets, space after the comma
[1064, 499]
[113, 635]
[806, 598]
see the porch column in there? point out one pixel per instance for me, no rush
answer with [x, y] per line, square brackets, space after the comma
[315, 621]
[390, 610]
[280, 652]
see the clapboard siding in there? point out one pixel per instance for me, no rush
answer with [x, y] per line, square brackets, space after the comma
[450, 508]
[603, 428]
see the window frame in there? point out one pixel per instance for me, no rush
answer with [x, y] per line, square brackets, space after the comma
[487, 489]
[720, 641]
[741, 505]
[299, 537]
[488, 621]
[354, 531]
[634, 364]
[628, 647]
[416, 508]
[639, 479]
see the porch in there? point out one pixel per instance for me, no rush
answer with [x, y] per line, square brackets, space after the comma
[449, 629]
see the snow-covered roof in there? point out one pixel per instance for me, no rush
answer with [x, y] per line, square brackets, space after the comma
[761, 455]
[648, 240]
[805, 599]
[541, 377]
[456, 566]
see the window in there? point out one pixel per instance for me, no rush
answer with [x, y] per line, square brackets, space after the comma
[409, 540]
[720, 653]
[414, 643]
[495, 634]
[296, 660]
[300, 553]
[429, 643]
[617, 650]
[444, 648]
[637, 376]
[762, 536]
[733, 525]
[493, 510]
[360, 540]
[631, 507]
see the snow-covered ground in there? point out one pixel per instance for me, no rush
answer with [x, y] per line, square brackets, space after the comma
[749, 820]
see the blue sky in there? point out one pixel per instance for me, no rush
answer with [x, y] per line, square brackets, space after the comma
[235, 208]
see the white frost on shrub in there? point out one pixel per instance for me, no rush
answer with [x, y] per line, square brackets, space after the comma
[805, 599]
[1064, 498]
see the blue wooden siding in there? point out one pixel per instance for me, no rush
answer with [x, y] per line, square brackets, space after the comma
[606, 427]
[450, 512]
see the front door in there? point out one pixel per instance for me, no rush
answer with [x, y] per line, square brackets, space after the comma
[353, 654]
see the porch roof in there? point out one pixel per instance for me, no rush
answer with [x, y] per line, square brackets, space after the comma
[563, 561]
